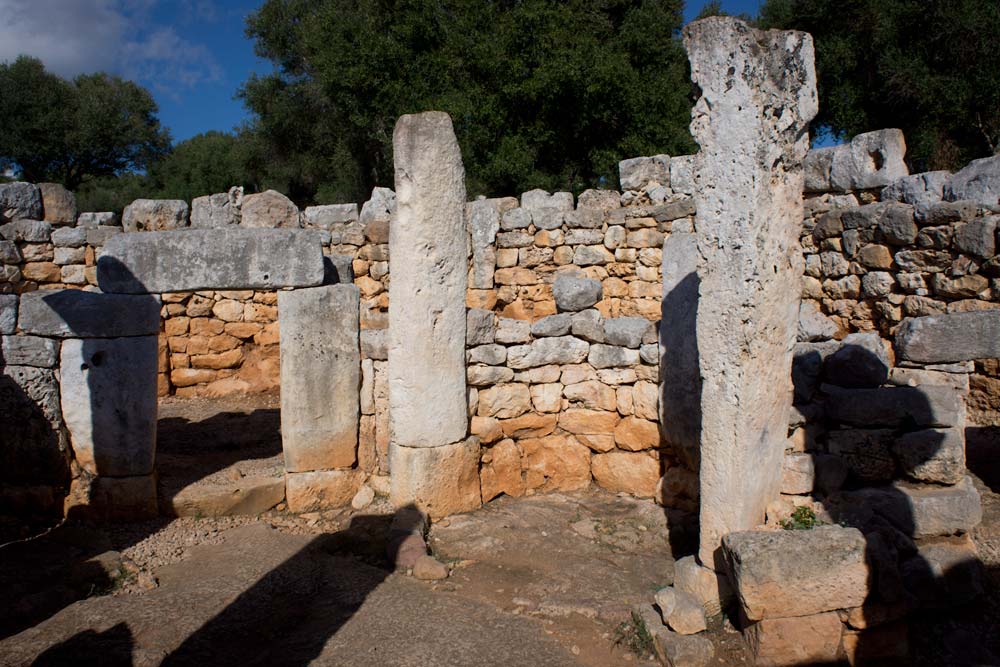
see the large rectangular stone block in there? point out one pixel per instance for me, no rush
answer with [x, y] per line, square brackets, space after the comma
[781, 573]
[439, 480]
[8, 313]
[226, 258]
[748, 188]
[942, 339]
[108, 395]
[428, 247]
[320, 377]
[930, 405]
[78, 314]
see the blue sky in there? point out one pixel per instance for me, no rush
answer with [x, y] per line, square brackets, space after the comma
[191, 54]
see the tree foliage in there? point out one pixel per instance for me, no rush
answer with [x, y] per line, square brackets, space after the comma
[52, 129]
[542, 93]
[929, 68]
[204, 164]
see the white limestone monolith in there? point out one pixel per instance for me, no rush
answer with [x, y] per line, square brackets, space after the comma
[320, 377]
[758, 96]
[428, 247]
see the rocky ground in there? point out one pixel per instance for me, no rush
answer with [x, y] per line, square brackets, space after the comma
[542, 580]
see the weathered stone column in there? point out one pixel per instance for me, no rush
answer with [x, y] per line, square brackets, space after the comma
[320, 381]
[431, 462]
[758, 96]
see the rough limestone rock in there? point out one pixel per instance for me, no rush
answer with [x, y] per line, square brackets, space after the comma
[896, 407]
[320, 377]
[219, 210]
[932, 455]
[803, 640]
[439, 480]
[680, 611]
[814, 325]
[978, 181]
[921, 189]
[153, 215]
[748, 181]
[943, 339]
[626, 331]
[20, 201]
[678, 650]
[797, 572]
[428, 245]
[870, 160]
[711, 588]
[78, 314]
[58, 204]
[920, 510]
[636, 172]
[108, 393]
[379, 207]
[862, 361]
[328, 215]
[268, 210]
[29, 351]
[573, 293]
[682, 174]
[102, 219]
[322, 489]
[680, 406]
[232, 258]
[8, 314]
[484, 223]
[545, 351]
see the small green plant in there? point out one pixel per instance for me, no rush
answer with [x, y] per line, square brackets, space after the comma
[803, 518]
[634, 636]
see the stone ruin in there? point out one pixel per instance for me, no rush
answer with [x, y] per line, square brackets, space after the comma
[741, 333]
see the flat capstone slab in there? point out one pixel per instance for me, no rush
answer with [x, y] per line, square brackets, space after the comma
[77, 314]
[937, 339]
[222, 259]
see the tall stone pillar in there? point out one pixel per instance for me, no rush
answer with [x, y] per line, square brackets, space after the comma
[432, 464]
[758, 96]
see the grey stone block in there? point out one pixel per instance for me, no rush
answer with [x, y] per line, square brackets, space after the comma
[338, 270]
[491, 355]
[978, 181]
[79, 314]
[870, 160]
[69, 237]
[636, 172]
[949, 338]
[544, 351]
[8, 314]
[29, 351]
[977, 238]
[919, 510]
[797, 572]
[320, 377]
[931, 406]
[375, 344]
[102, 219]
[932, 455]
[626, 331]
[917, 189]
[98, 236]
[195, 259]
[574, 293]
[108, 394]
[481, 327]
[147, 215]
[862, 361]
[610, 356]
[588, 325]
[20, 201]
[328, 215]
[552, 325]
[29, 231]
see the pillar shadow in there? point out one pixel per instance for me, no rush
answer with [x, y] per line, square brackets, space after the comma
[285, 618]
[680, 401]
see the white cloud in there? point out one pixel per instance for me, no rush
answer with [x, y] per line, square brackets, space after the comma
[78, 36]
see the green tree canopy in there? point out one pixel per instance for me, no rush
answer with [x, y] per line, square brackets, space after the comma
[543, 93]
[202, 165]
[52, 129]
[929, 68]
